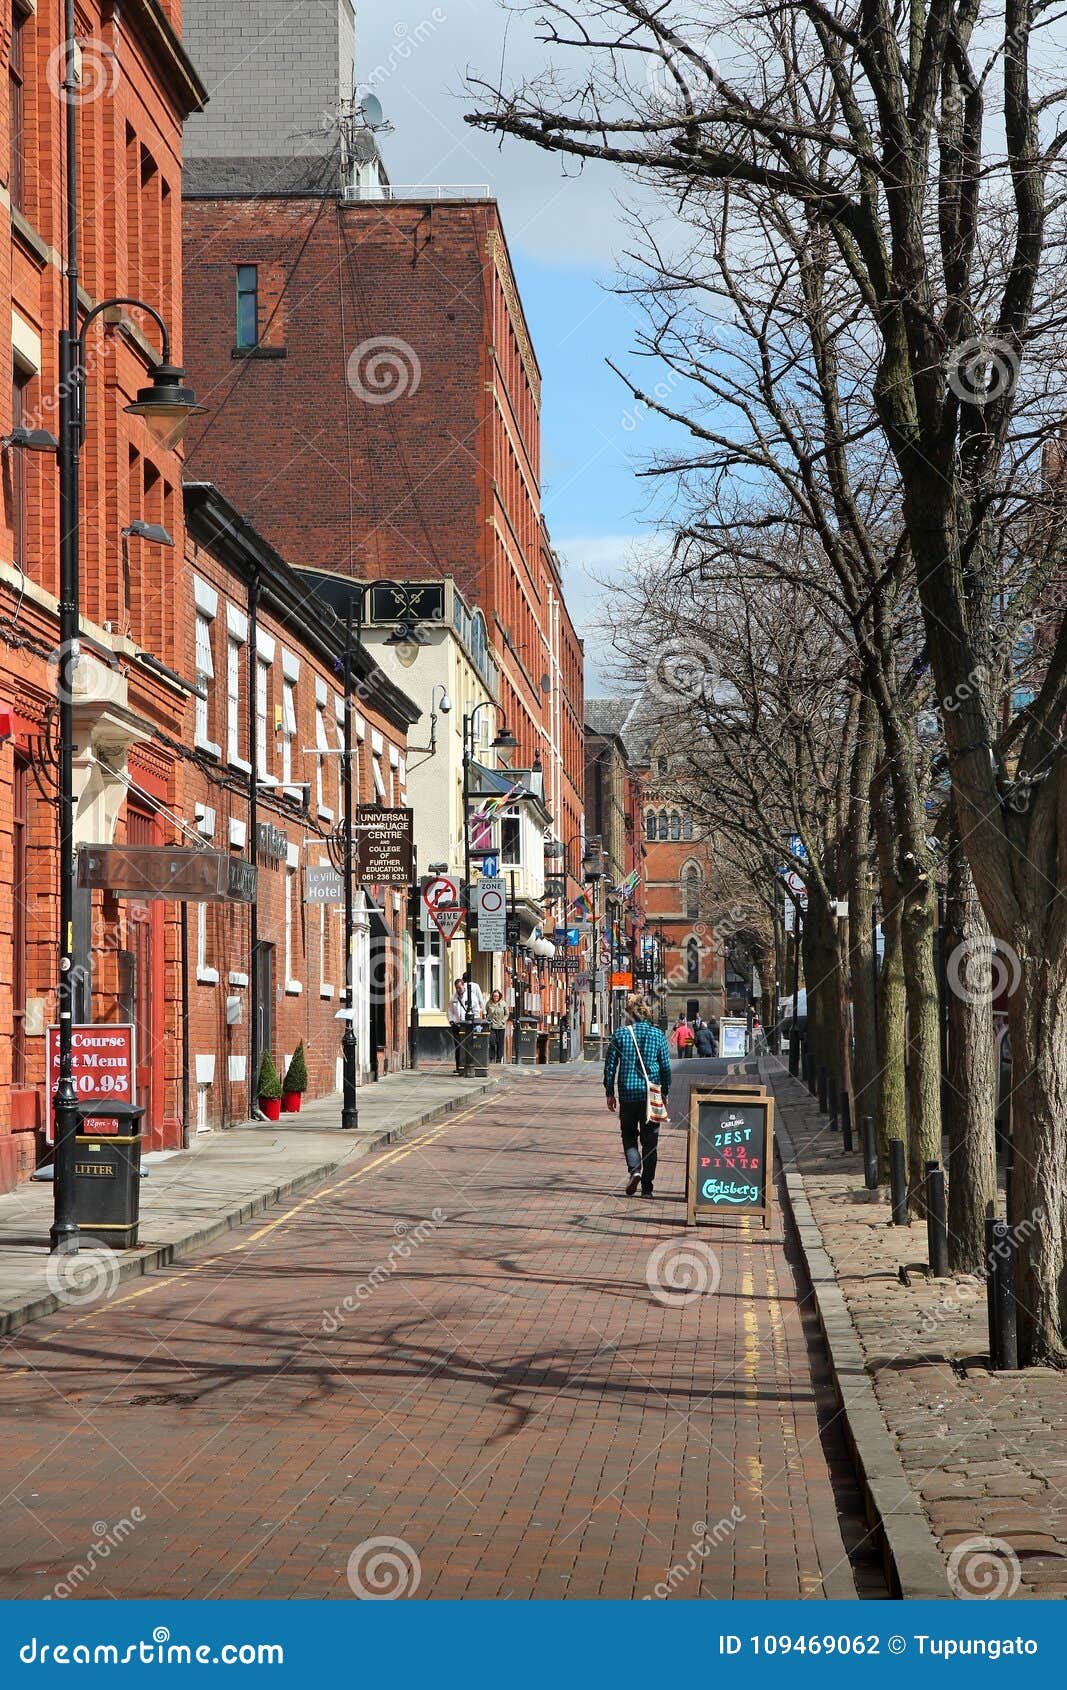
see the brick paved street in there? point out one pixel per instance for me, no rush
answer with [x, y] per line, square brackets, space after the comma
[453, 1345]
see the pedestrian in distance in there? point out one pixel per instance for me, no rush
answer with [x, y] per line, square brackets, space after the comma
[497, 1016]
[457, 1014]
[638, 1065]
[705, 1039]
[682, 1037]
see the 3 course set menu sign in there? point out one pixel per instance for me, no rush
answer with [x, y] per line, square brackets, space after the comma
[731, 1143]
[102, 1061]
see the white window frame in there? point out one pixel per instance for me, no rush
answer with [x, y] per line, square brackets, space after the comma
[512, 813]
[206, 604]
[325, 913]
[293, 986]
[339, 741]
[205, 974]
[236, 640]
[322, 747]
[430, 973]
[264, 661]
[287, 725]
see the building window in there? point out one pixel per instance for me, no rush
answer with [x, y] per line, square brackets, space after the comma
[233, 700]
[293, 985]
[511, 839]
[322, 746]
[205, 974]
[691, 893]
[288, 729]
[20, 411]
[19, 918]
[247, 305]
[16, 74]
[262, 690]
[429, 971]
[205, 674]
[676, 825]
[687, 828]
[650, 824]
[663, 824]
[692, 962]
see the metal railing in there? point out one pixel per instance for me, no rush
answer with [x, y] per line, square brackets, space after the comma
[372, 191]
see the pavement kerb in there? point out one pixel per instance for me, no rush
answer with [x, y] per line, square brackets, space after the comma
[914, 1565]
[136, 1263]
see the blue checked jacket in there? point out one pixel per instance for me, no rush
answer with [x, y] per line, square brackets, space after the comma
[621, 1060]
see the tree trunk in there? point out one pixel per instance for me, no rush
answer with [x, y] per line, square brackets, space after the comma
[861, 957]
[970, 1094]
[917, 924]
[1037, 1018]
[820, 979]
[892, 1053]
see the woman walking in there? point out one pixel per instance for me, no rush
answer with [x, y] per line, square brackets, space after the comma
[497, 1016]
[682, 1037]
[637, 1060]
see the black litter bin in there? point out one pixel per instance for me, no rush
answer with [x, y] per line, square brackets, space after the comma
[478, 1043]
[107, 1174]
[527, 1039]
[561, 1045]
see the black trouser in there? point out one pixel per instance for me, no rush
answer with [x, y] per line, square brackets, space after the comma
[496, 1044]
[636, 1127]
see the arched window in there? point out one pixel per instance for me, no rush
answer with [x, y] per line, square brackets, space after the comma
[687, 828]
[692, 962]
[662, 765]
[691, 892]
[650, 824]
[676, 825]
[479, 640]
[663, 824]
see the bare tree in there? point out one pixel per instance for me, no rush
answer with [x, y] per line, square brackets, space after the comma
[867, 132]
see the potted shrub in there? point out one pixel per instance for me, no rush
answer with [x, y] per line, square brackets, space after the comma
[269, 1089]
[296, 1081]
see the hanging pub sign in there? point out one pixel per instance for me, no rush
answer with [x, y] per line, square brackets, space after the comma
[384, 846]
[731, 1145]
[155, 871]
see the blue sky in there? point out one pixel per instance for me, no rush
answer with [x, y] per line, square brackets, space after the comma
[565, 232]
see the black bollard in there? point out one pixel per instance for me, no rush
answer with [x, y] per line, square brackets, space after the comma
[813, 1075]
[794, 1052]
[936, 1220]
[990, 1286]
[846, 1123]
[1007, 1357]
[805, 1066]
[870, 1153]
[831, 1099]
[824, 1088]
[898, 1183]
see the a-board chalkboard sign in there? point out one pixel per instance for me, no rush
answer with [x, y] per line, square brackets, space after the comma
[731, 1147]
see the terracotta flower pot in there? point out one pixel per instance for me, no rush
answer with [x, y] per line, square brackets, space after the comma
[290, 1103]
[271, 1107]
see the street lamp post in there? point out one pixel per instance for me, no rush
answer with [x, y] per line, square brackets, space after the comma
[504, 745]
[402, 635]
[593, 874]
[166, 405]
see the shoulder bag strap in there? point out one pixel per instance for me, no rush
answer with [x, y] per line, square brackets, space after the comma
[640, 1058]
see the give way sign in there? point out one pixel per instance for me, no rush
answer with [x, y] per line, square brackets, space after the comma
[437, 891]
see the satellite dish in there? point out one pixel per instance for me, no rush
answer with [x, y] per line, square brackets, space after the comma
[370, 109]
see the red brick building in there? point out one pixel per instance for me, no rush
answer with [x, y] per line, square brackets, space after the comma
[137, 86]
[374, 408]
[267, 658]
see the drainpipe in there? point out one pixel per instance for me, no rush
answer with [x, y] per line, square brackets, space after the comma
[252, 1077]
[186, 1088]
